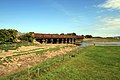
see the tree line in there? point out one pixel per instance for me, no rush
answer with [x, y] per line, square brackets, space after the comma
[71, 34]
[10, 35]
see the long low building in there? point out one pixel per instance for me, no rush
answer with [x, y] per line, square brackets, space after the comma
[56, 38]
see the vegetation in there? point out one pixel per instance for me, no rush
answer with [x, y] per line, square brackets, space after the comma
[88, 36]
[91, 63]
[38, 51]
[26, 37]
[14, 46]
[10, 36]
[106, 40]
[72, 34]
[7, 35]
[62, 34]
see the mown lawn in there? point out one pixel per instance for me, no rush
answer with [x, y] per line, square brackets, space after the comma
[90, 63]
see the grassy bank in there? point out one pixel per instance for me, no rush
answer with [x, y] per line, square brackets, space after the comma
[106, 40]
[14, 46]
[91, 63]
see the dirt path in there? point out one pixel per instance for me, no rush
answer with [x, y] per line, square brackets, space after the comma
[22, 62]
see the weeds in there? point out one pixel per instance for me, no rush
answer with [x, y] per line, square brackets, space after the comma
[30, 52]
[14, 46]
[95, 63]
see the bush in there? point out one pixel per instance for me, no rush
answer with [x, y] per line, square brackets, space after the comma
[26, 37]
[7, 35]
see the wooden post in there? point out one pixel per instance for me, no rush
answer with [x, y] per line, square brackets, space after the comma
[58, 41]
[72, 40]
[43, 41]
[51, 41]
[66, 40]
[69, 40]
[62, 40]
[46, 41]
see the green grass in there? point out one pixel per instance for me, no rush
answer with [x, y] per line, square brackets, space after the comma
[90, 63]
[14, 46]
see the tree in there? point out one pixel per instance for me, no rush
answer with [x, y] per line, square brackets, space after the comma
[26, 37]
[12, 34]
[62, 34]
[72, 34]
[82, 35]
[88, 36]
[8, 35]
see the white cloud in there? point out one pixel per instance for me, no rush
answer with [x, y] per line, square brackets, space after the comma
[110, 23]
[106, 34]
[111, 4]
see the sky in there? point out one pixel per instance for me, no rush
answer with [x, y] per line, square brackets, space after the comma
[84, 17]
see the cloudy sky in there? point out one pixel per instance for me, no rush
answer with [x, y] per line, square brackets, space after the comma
[95, 17]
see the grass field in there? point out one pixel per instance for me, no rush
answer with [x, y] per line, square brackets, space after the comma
[90, 63]
[14, 46]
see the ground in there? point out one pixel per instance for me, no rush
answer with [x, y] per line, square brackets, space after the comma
[104, 39]
[26, 56]
[66, 63]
